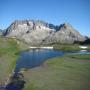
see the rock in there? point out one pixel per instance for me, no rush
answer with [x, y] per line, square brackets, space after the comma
[39, 32]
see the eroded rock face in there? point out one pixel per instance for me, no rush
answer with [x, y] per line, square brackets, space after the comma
[67, 34]
[39, 32]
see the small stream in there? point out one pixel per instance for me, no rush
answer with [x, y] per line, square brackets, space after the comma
[31, 59]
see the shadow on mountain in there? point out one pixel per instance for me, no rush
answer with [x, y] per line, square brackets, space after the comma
[87, 41]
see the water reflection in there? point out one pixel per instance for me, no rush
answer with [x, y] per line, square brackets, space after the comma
[35, 58]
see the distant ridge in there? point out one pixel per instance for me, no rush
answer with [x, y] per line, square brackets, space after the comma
[37, 32]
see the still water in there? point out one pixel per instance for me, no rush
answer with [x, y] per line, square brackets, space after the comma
[35, 57]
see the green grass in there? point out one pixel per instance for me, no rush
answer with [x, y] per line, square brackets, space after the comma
[66, 73]
[70, 47]
[67, 47]
[88, 49]
[81, 56]
[8, 57]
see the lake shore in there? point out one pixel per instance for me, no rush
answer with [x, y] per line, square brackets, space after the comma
[66, 73]
[49, 72]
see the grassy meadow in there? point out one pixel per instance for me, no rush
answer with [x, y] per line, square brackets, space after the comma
[62, 73]
[8, 56]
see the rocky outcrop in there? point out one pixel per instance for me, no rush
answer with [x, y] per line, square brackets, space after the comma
[39, 32]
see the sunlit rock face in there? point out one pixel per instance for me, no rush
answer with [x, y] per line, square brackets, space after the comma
[39, 32]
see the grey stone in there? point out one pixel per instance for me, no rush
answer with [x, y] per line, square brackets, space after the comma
[39, 32]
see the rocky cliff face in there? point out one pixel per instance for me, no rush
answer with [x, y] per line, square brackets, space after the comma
[39, 32]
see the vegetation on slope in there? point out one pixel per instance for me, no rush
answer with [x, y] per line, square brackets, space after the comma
[8, 57]
[67, 47]
[70, 47]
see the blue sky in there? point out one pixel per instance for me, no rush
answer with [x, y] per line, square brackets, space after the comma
[75, 12]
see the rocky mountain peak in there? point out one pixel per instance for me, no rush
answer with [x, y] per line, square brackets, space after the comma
[65, 26]
[38, 32]
[29, 22]
[68, 29]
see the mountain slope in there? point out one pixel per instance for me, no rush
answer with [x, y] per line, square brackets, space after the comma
[39, 32]
[67, 34]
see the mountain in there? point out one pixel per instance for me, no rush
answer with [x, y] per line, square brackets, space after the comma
[39, 32]
[86, 42]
